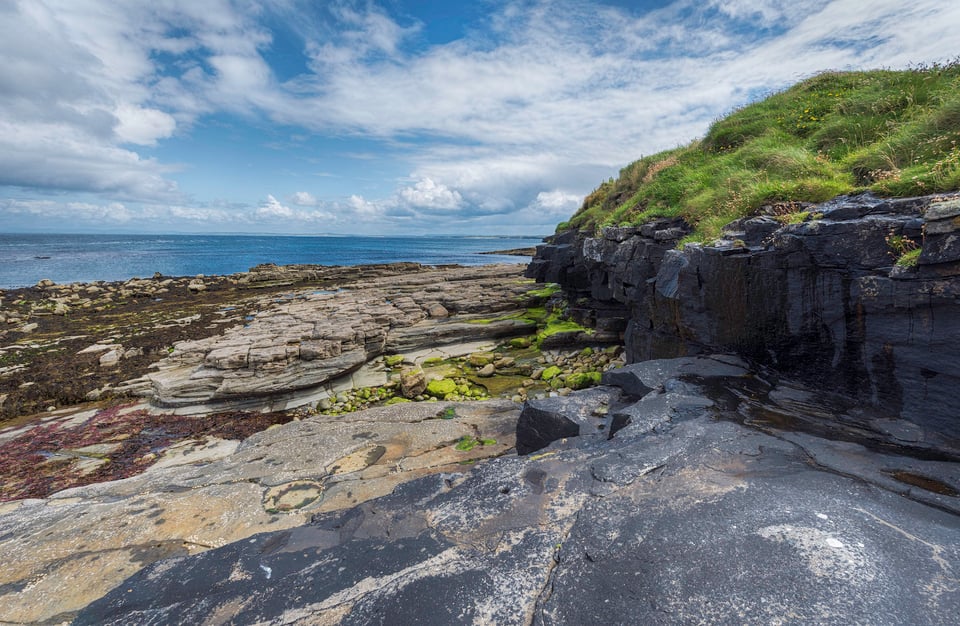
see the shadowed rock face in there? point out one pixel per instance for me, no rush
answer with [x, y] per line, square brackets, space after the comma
[820, 301]
[687, 514]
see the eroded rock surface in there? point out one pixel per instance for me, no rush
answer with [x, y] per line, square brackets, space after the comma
[701, 508]
[298, 348]
[63, 552]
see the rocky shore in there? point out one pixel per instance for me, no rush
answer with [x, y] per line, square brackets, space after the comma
[858, 295]
[655, 508]
[645, 441]
[171, 374]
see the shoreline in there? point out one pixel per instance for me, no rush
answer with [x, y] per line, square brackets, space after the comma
[66, 259]
[44, 328]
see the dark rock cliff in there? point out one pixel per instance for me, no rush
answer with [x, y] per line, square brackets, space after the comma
[821, 300]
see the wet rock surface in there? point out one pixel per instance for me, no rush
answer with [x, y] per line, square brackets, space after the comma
[699, 509]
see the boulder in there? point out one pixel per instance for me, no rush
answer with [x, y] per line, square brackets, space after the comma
[413, 382]
[437, 311]
[487, 371]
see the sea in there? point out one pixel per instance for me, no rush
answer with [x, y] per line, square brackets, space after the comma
[25, 259]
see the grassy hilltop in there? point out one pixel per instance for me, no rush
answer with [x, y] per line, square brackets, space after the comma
[896, 133]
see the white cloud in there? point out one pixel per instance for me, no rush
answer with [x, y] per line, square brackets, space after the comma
[558, 201]
[363, 208]
[303, 198]
[510, 124]
[271, 207]
[427, 194]
[143, 126]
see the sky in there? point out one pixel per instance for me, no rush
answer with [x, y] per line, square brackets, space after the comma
[388, 117]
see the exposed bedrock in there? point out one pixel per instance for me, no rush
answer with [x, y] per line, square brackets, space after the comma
[822, 300]
[302, 345]
[686, 515]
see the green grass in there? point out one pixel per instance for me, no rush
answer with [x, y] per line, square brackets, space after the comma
[896, 133]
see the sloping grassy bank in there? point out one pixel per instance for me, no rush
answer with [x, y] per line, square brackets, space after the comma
[896, 133]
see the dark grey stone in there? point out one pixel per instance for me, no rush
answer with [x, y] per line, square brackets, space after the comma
[702, 519]
[819, 301]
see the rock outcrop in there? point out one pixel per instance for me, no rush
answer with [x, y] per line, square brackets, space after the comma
[300, 348]
[820, 300]
[686, 514]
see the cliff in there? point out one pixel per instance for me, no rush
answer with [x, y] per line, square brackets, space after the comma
[822, 300]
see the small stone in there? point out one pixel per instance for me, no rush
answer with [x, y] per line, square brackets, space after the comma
[441, 387]
[487, 371]
[480, 359]
[437, 310]
[393, 360]
[110, 359]
[550, 373]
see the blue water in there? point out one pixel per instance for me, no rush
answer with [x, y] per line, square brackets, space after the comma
[26, 259]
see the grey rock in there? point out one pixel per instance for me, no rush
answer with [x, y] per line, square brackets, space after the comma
[304, 346]
[703, 520]
[544, 421]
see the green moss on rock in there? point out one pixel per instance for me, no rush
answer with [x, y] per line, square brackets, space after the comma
[441, 387]
[550, 373]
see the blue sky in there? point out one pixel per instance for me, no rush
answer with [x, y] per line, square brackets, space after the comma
[390, 116]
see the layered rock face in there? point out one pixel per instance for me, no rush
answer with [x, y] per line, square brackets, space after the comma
[299, 347]
[821, 300]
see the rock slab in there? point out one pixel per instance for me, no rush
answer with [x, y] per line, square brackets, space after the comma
[703, 519]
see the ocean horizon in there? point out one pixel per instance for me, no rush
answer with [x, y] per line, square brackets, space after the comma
[27, 258]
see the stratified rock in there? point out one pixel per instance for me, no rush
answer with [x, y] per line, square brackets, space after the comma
[307, 345]
[819, 301]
